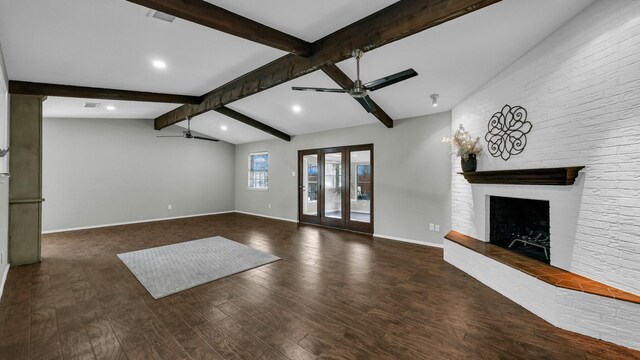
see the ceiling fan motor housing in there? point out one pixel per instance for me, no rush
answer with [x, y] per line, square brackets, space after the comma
[358, 90]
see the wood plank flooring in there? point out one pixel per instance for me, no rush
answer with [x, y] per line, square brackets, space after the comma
[334, 295]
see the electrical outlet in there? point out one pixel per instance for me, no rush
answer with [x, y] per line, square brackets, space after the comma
[293, 173]
[431, 227]
[269, 206]
[169, 207]
[437, 227]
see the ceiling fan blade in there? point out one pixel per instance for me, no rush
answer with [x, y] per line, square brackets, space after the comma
[318, 89]
[204, 138]
[390, 80]
[366, 103]
[170, 136]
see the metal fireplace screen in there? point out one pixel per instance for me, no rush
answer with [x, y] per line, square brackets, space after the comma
[520, 225]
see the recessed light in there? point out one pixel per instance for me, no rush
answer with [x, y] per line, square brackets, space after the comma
[111, 107]
[296, 109]
[223, 127]
[159, 64]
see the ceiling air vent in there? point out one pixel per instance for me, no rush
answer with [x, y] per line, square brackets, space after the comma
[91, 104]
[161, 16]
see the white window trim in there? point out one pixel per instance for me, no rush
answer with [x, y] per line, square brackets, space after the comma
[249, 170]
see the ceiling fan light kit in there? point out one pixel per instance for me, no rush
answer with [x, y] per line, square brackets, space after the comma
[360, 91]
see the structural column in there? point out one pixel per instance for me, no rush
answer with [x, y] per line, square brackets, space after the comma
[25, 186]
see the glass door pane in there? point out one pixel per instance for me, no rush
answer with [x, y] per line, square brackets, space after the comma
[310, 185]
[333, 179]
[361, 186]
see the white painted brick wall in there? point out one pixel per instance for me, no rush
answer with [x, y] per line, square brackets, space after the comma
[581, 89]
[603, 318]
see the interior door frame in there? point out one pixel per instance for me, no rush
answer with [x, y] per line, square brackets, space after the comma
[319, 219]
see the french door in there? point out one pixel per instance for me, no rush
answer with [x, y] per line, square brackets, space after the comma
[335, 187]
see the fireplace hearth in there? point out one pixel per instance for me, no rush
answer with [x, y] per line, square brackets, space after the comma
[520, 225]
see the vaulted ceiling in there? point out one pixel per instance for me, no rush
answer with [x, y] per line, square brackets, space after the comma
[111, 44]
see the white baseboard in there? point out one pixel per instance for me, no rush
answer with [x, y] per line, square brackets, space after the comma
[408, 240]
[134, 222]
[226, 212]
[266, 216]
[4, 279]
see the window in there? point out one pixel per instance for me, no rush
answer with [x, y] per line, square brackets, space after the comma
[259, 171]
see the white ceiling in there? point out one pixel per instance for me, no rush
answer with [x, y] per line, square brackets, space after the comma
[59, 107]
[308, 20]
[111, 44]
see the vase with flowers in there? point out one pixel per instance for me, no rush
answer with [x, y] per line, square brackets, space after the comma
[467, 148]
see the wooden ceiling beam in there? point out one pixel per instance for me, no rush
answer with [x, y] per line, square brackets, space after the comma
[215, 17]
[252, 122]
[33, 88]
[346, 83]
[402, 19]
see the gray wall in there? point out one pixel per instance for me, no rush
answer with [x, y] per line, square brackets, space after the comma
[4, 166]
[412, 175]
[104, 171]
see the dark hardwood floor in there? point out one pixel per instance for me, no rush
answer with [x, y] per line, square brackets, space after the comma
[334, 295]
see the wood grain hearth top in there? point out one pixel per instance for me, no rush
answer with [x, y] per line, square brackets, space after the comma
[542, 271]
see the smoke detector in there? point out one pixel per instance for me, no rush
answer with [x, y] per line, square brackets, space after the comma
[161, 16]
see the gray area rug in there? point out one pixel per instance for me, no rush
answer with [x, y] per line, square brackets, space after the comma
[166, 270]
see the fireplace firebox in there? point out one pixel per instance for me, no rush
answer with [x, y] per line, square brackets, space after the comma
[520, 225]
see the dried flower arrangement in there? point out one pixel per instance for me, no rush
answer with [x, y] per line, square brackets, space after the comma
[466, 145]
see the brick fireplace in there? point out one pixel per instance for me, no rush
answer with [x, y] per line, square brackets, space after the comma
[522, 248]
[579, 87]
[550, 288]
[472, 216]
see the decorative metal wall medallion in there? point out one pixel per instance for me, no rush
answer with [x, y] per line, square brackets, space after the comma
[508, 131]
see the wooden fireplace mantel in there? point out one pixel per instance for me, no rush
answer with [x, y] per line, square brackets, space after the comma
[542, 176]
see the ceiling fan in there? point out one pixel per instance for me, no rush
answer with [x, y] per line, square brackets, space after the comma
[360, 90]
[188, 135]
